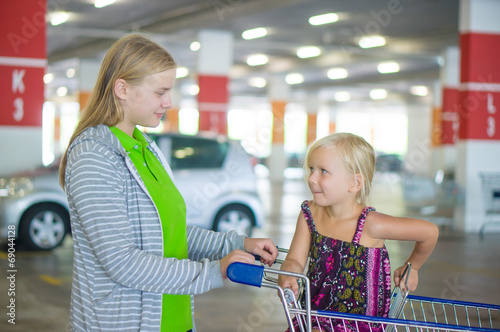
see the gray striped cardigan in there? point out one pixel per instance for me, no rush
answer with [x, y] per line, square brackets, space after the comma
[119, 273]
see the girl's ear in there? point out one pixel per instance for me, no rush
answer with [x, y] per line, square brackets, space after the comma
[120, 89]
[357, 183]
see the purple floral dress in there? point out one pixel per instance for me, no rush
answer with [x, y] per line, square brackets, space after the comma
[346, 276]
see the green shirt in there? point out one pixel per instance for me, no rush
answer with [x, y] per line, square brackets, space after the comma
[176, 309]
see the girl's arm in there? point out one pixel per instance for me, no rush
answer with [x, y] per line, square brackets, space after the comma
[298, 253]
[424, 233]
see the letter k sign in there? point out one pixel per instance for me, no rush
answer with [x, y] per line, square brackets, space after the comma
[17, 80]
[18, 86]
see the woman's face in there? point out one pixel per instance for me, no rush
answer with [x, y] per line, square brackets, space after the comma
[146, 103]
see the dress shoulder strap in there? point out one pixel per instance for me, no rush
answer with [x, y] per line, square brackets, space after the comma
[307, 214]
[361, 224]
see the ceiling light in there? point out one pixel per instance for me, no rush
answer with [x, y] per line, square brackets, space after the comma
[419, 90]
[102, 3]
[378, 94]
[294, 78]
[337, 73]
[193, 89]
[388, 67]
[195, 46]
[254, 33]
[70, 73]
[342, 96]
[371, 41]
[181, 72]
[62, 91]
[308, 52]
[257, 59]
[57, 18]
[47, 78]
[257, 82]
[323, 19]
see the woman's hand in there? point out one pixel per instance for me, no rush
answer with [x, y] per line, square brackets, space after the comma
[265, 248]
[235, 256]
[412, 280]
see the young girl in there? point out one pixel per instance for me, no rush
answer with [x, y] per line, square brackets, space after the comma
[349, 266]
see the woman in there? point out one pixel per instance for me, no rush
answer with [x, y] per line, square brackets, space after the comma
[136, 263]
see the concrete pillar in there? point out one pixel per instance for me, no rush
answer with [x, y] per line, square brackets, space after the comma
[418, 158]
[22, 66]
[88, 72]
[449, 123]
[479, 106]
[279, 93]
[215, 59]
[312, 108]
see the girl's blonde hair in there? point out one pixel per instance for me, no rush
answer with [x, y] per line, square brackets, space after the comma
[357, 154]
[131, 58]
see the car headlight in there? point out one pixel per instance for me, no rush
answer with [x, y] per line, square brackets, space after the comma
[15, 186]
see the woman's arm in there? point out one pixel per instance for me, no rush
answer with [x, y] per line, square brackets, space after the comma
[297, 255]
[424, 233]
[99, 212]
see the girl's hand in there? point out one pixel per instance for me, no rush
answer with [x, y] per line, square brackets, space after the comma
[265, 248]
[235, 256]
[412, 280]
[289, 282]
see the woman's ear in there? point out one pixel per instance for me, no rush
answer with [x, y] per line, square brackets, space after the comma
[120, 89]
[357, 183]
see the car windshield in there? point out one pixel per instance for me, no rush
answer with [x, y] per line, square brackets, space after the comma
[190, 152]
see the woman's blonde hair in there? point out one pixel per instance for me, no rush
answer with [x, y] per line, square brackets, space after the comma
[131, 58]
[357, 154]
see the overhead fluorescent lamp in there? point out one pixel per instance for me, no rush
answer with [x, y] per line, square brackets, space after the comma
[388, 67]
[371, 41]
[337, 73]
[254, 33]
[47, 78]
[70, 73]
[181, 72]
[57, 18]
[377, 94]
[102, 3]
[419, 90]
[257, 82]
[195, 46]
[342, 96]
[308, 52]
[257, 59]
[62, 91]
[294, 78]
[323, 19]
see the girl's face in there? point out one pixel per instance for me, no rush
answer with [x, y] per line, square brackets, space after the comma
[329, 181]
[145, 104]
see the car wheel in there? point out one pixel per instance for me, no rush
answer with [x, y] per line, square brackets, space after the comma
[44, 226]
[235, 217]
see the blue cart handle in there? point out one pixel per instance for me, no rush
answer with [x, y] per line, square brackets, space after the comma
[243, 273]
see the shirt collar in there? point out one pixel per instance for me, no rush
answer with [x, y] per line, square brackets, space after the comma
[130, 143]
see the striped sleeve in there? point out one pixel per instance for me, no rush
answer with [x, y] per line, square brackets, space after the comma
[203, 243]
[96, 186]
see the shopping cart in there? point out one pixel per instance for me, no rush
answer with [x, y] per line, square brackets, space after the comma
[407, 312]
[490, 183]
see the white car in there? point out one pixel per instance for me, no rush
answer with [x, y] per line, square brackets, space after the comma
[214, 175]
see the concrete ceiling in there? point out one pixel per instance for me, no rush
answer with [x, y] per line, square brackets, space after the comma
[417, 33]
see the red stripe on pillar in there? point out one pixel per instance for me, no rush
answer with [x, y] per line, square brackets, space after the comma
[480, 54]
[212, 103]
[449, 116]
[22, 62]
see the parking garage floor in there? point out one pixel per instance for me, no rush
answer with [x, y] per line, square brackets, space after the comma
[462, 267]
